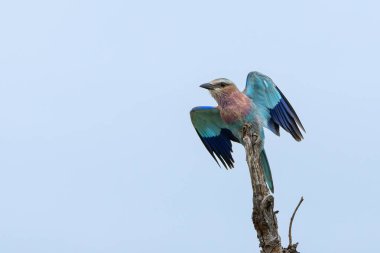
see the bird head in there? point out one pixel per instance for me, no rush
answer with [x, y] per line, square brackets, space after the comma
[219, 87]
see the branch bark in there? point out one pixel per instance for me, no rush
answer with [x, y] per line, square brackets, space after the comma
[263, 217]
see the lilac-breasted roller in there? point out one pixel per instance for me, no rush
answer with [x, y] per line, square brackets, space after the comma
[261, 104]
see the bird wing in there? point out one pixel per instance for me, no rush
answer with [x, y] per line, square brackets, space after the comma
[273, 105]
[214, 133]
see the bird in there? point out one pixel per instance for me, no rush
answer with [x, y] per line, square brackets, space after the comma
[261, 104]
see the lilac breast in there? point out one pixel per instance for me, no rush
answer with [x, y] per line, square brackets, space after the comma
[236, 108]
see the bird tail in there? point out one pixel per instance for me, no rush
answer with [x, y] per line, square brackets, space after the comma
[267, 174]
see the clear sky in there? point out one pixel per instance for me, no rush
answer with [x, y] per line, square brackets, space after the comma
[98, 153]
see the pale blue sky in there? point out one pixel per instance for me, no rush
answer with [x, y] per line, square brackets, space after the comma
[98, 153]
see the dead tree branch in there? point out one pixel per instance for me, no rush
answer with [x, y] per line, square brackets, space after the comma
[263, 217]
[291, 222]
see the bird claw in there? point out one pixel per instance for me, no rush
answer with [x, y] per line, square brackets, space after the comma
[257, 138]
[246, 128]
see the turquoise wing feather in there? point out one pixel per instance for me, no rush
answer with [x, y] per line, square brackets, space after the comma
[272, 105]
[214, 133]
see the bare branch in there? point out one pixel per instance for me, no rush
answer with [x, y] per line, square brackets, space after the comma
[291, 221]
[263, 217]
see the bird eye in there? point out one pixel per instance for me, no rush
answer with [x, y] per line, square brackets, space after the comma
[223, 84]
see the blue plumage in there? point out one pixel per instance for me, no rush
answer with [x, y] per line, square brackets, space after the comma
[261, 104]
[214, 134]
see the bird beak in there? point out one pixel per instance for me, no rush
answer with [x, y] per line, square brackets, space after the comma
[207, 86]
